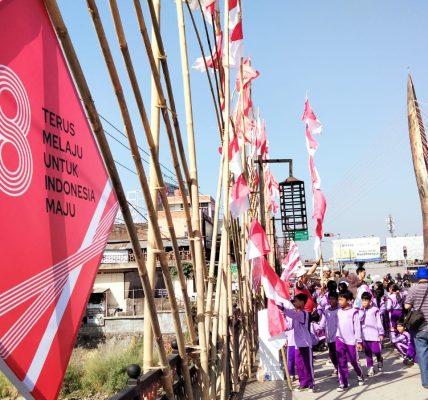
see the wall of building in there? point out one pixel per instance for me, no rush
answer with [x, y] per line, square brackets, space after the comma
[115, 282]
[115, 325]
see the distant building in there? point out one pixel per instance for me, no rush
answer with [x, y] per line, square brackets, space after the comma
[117, 288]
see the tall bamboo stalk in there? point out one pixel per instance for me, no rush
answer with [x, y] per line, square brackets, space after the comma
[419, 148]
[141, 173]
[165, 116]
[169, 90]
[83, 88]
[225, 225]
[211, 272]
[195, 201]
[154, 184]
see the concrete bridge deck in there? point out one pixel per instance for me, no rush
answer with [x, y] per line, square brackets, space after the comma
[397, 382]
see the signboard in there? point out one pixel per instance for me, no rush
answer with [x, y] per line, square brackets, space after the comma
[301, 235]
[57, 204]
[355, 250]
[414, 246]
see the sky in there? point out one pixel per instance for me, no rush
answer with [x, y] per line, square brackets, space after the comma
[350, 57]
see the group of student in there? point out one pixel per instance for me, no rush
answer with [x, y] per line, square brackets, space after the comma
[349, 317]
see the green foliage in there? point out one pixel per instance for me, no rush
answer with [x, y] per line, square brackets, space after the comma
[102, 371]
[6, 388]
[187, 270]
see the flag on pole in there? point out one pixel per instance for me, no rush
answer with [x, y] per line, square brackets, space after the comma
[276, 321]
[239, 203]
[258, 244]
[208, 8]
[275, 289]
[235, 161]
[313, 126]
[236, 35]
[212, 61]
[248, 74]
[291, 261]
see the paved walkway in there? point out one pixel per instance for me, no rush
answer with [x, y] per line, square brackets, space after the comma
[397, 382]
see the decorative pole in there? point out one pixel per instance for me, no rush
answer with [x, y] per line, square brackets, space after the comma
[419, 148]
[154, 192]
[197, 236]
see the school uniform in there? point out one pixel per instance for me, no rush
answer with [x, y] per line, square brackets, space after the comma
[330, 324]
[347, 336]
[404, 343]
[303, 349]
[395, 309]
[371, 329]
[291, 348]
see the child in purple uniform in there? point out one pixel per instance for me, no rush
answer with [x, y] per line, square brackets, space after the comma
[348, 340]
[330, 324]
[404, 343]
[303, 341]
[291, 349]
[394, 305]
[372, 333]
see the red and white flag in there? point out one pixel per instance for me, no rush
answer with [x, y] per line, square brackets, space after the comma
[235, 160]
[236, 35]
[258, 244]
[313, 126]
[239, 203]
[272, 186]
[211, 61]
[291, 261]
[208, 8]
[275, 289]
[276, 321]
[248, 74]
[57, 203]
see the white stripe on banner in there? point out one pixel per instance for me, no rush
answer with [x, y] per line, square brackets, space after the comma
[56, 317]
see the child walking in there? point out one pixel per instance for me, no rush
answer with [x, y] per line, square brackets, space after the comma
[372, 333]
[348, 340]
[330, 324]
[303, 342]
[394, 305]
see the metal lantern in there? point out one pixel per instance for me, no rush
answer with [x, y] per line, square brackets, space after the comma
[293, 205]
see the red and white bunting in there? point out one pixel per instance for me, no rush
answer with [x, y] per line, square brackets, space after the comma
[275, 288]
[235, 161]
[239, 203]
[313, 126]
[291, 262]
[236, 36]
[248, 74]
[258, 244]
[211, 61]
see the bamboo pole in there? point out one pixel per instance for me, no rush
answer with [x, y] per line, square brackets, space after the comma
[165, 116]
[244, 262]
[142, 176]
[83, 88]
[195, 201]
[154, 184]
[225, 225]
[215, 326]
[169, 90]
[418, 146]
[211, 272]
[201, 47]
[154, 155]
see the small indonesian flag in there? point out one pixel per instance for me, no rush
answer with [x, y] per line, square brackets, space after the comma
[239, 203]
[291, 261]
[258, 244]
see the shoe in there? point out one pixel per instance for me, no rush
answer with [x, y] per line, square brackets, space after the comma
[293, 378]
[360, 380]
[380, 365]
[408, 362]
[314, 389]
[300, 389]
[342, 388]
[371, 372]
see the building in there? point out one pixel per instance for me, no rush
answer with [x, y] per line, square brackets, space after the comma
[117, 288]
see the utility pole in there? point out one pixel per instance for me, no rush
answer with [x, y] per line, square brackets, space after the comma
[390, 224]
